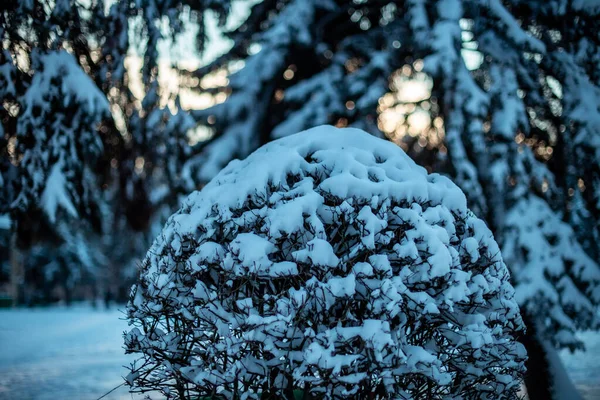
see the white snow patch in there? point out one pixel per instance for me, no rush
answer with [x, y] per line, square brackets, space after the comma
[55, 194]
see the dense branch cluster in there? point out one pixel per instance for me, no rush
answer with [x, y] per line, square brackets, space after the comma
[326, 261]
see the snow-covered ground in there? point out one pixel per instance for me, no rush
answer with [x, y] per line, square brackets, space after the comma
[62, 353]
[584, 367]
[75, 353]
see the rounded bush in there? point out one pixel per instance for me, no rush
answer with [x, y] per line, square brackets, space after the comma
[326, 262]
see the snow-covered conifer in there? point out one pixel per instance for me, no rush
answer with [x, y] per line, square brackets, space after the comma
[65, 138]
[57, 138]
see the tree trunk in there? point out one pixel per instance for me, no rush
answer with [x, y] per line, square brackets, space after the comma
[545, 378]
[17, 273]
[68, 293]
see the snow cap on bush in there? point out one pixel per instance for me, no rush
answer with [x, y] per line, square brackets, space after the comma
[328, 262]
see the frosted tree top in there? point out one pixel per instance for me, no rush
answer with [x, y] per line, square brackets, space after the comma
[357, 165]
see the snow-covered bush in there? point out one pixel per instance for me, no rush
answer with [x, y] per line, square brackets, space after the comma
[330, 262]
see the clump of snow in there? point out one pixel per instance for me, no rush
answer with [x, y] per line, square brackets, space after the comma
[326, 260]
[75, 85]
[55, 194]
[5, 221]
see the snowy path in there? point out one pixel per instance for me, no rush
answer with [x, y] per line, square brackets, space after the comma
[75, 354]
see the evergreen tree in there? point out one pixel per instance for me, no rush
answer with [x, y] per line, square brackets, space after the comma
[57, 138]
[77, 148]
[519, 130]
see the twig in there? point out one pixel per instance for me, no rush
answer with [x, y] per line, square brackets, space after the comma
[110, 391]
